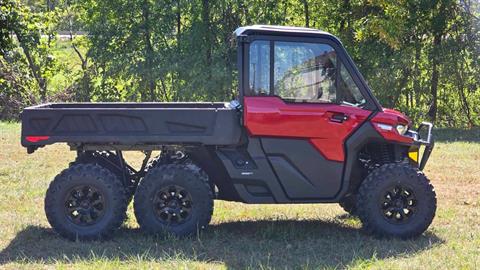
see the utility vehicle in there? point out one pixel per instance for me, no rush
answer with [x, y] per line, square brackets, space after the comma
[305, 128]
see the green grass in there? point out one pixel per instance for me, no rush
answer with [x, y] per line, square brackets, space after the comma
[240, 235]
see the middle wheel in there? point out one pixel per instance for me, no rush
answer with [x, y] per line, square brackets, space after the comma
[175, 199]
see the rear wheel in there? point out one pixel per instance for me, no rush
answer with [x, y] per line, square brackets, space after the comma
[396, 200]
[110, 162]
[85, 202]
[173, 199]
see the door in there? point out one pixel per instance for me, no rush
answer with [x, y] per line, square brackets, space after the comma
[302, 102]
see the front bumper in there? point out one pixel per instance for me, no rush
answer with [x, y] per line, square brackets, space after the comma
[422, 136]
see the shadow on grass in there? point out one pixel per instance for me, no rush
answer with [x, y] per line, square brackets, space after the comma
[455, 134]
[268, 243]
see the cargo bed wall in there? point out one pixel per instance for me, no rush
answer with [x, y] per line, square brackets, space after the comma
[132, 123]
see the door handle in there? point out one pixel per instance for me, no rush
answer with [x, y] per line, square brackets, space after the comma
[338, 117]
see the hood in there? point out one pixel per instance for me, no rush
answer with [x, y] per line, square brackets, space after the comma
[401, 118]
[386, 123]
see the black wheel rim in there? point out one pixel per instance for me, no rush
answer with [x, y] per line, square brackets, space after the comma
[172, 205]
[398, 204]
[84, 205]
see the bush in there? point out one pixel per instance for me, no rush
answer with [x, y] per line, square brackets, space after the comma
[17, 89]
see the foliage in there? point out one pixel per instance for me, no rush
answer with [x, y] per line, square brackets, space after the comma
[15, 85]
[243, 236]
[419, 56]
[26, 62]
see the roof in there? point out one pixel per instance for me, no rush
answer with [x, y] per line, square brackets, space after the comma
[279, 30]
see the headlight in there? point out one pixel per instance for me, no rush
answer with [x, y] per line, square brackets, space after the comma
[402, 129]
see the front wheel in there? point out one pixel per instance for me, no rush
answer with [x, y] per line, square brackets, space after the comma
[396, 200]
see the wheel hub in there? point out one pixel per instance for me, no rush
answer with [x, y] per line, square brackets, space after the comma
[398, 204]
[172, 205]
[84, 205]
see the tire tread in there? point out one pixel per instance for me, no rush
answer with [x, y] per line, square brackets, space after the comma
[106, 178]
[150, 182]
[381, 174]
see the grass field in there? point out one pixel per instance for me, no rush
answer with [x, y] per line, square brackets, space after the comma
[244, 236]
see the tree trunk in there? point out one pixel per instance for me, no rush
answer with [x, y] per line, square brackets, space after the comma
[460, 86]
[34, 68]
[179, 21]
[243, 13]
[208, 37]
[175, 73]
[432, 112]
[306, 12]
[147, 72]
[164, 90]
[403, 82]
[206, 23]
[85, 93]
[345, 23]
[416, 72]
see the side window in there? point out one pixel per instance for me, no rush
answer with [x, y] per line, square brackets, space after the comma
[259, 74]
[304, 72]
[348, 90]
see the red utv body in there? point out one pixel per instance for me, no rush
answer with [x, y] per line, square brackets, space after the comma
[306, 128]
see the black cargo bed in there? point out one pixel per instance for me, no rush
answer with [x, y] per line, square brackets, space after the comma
[132, 124]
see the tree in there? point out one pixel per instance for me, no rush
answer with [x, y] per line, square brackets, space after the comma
[27, 27]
